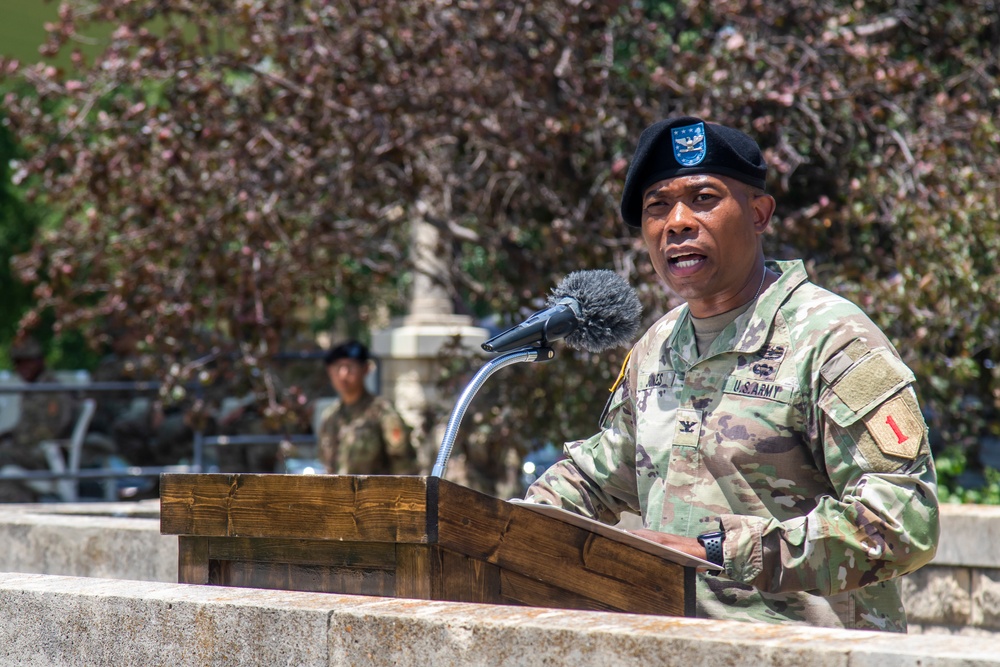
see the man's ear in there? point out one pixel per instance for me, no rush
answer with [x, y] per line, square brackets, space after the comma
[762, 205]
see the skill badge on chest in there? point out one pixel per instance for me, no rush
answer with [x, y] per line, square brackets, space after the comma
[688, 427]
[765, 364]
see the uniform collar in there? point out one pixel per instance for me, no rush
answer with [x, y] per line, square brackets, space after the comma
[357, 406]
[748, 332]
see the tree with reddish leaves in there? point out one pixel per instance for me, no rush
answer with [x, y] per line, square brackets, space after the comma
[221, 166]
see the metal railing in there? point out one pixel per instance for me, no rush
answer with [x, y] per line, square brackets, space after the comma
[70, 469]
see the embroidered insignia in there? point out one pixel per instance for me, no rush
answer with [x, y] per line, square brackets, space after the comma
[772, 352]
[763, 370]
[896, 430]
[688, 427]
[756, 389]
[689, 144]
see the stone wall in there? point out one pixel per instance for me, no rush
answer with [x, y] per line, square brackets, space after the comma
[111, 540]
[959, 592]
[52, 621]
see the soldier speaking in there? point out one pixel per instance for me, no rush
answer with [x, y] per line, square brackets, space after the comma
[766, 425]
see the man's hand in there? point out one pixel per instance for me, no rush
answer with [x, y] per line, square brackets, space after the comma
[688, 545]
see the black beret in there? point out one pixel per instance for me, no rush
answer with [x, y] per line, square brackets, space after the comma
[25, 347]
[349, 350]
[688, 145]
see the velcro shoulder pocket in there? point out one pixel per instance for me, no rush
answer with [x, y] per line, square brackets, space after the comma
[864, 385]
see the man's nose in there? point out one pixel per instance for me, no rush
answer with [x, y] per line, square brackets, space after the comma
[680, 220]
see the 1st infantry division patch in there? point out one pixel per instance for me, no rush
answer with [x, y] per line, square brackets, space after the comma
[896, 430]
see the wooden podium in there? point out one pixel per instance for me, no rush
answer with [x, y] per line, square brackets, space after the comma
[410, 537]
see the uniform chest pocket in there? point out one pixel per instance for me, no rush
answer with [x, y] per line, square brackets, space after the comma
[361, 441]
[660, 420]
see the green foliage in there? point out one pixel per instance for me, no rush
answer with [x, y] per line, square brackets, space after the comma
[951, 463]
[17, 226]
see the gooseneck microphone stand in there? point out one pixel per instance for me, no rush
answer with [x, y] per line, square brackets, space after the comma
[524, 354]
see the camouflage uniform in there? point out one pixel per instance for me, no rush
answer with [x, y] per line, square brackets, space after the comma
[44, 416]
[798, 431]
[365, 438]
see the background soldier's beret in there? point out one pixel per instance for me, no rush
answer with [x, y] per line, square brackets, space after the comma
[349, 350]
[688, 145]
[25, 347]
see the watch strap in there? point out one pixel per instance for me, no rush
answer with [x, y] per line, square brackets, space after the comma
[713, 547]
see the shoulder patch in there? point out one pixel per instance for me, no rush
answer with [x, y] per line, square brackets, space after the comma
[878, 374]
[897, 427]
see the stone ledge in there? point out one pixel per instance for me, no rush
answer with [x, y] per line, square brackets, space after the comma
[86, 540]
[122, 541]
[969, 535]
[46, 620]
[51, 620]
[142, 509]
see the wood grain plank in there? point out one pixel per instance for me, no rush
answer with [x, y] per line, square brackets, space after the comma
[347, 507]
[365, 555]
[192, 560]
[413, 571]
[297, 577]
[518, 589]
[459, 578]
[558, 554]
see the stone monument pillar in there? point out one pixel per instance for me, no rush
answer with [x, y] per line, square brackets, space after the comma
[409, 347]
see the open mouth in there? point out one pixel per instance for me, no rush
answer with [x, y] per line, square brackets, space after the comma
[686, 262]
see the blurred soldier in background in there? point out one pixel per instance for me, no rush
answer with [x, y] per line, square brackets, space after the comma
[44, 416]
[361, 434]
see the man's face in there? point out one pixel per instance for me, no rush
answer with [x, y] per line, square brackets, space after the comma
[702, 234]
[29, 369]
[348, 378]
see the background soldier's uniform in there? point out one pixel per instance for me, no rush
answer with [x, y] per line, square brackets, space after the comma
[44, 416]
[365, 438]
[798, 431]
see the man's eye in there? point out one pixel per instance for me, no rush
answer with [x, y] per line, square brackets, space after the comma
[656, 207]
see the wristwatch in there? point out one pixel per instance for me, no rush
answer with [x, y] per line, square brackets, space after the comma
[713, 546]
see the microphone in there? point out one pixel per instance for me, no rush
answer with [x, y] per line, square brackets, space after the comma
[593, 310]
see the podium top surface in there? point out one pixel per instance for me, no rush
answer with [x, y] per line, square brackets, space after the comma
[360, 508]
